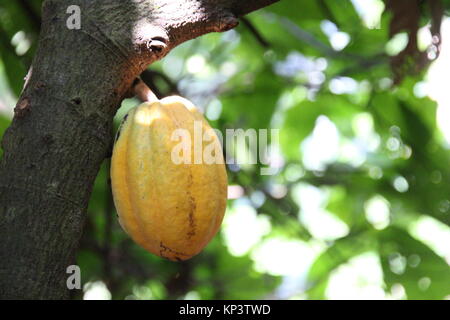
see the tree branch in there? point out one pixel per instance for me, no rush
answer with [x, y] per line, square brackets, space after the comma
[258, 36]
[311, 40]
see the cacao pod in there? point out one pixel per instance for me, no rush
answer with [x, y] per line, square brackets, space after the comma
[171, 209]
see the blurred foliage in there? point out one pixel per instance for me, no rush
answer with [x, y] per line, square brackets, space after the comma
[362, 162]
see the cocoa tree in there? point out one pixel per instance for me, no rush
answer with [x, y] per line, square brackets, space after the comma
[61, 131]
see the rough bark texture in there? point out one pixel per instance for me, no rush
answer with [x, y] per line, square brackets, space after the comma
[61, 130]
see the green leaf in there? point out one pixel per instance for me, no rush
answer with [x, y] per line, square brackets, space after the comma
[300, 120]
[14, 69]
[252, 105]
[235, 277]
[339, 252]
[4, 124]
[348, 211]
[409, 262]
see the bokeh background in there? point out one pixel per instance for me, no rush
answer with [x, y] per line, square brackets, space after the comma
[360, 206]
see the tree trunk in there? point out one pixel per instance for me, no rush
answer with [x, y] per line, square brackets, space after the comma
[60, 133]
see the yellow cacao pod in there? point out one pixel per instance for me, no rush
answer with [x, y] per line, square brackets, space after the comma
[171, 209]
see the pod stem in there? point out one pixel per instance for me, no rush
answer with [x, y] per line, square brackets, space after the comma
[143, 92]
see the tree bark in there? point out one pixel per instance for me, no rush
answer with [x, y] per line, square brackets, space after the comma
[60, 133]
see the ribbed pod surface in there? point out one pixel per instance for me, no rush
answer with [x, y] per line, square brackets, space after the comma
[171, 209]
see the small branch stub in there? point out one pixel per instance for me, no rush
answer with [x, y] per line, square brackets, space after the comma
[22, 107]
[157, 44]
[143, 92]
[227, 22]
